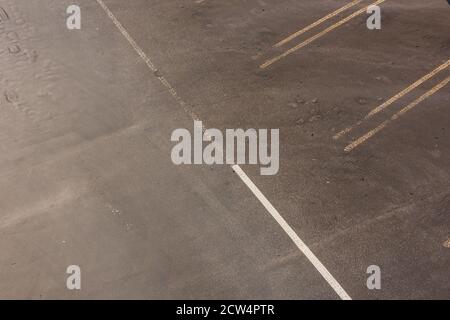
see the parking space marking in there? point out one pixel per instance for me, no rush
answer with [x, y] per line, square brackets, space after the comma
[237, 169]
[393, 99]
[396, 116]
[146, 59]
[317, 36]
[318, 22]
[291, 233]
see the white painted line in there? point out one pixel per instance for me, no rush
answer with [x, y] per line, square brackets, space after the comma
[146, 59]
[291, 233]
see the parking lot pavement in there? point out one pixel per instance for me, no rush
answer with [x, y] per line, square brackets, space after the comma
[87, 178]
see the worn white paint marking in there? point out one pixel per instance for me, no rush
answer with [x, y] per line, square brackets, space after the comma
[291, 233]
[146, 59]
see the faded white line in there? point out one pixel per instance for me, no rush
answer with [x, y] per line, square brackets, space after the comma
[146, 59]
[275, 214]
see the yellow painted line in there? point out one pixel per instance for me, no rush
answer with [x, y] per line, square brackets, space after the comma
[317, 36]
[396, 116]
[318, 22]
[407, 90]
[394, 98]
[446, 244]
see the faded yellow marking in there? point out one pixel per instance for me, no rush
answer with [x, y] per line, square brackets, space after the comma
[446, 244]
[318, 22]
[317, 36]
[396, 116]
[393, 99]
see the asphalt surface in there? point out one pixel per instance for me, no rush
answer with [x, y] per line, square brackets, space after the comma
[86, 176]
